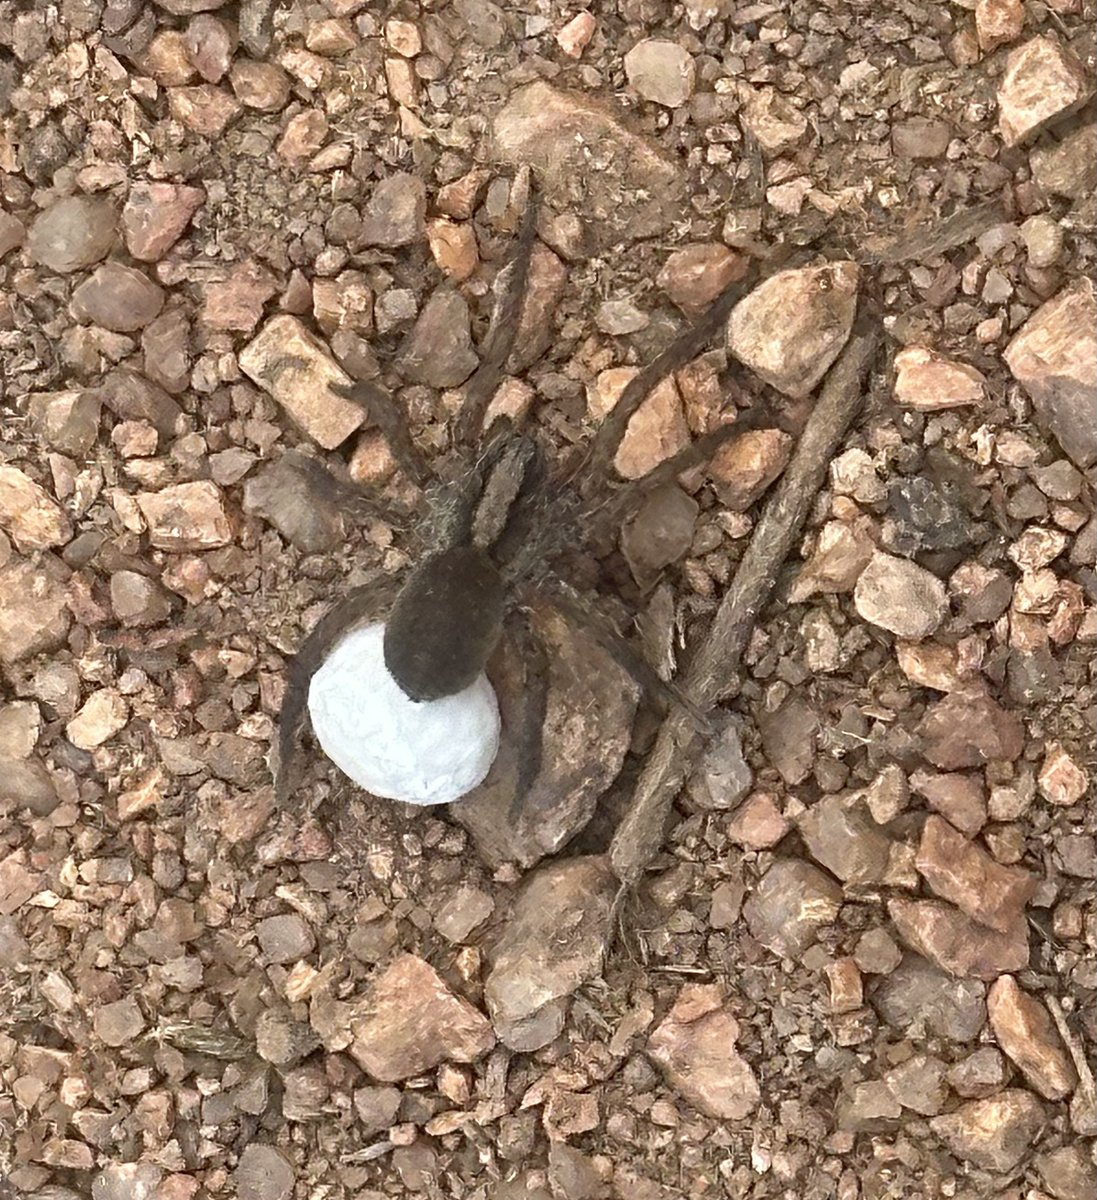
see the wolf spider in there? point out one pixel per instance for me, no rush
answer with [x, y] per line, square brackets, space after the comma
[503, 520]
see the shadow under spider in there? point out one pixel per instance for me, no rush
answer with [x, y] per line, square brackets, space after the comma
[503, 522]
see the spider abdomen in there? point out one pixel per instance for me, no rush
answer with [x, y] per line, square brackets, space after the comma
[444, 624]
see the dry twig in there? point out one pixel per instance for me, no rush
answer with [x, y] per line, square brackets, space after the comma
[712, 673]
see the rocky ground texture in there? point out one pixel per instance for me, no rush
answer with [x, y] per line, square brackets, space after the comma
[862, 964]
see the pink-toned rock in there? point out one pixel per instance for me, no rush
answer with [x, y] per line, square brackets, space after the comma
[210, 43]
[793, 325]
[73, 233]
[900, 596]
[842, 551]
[155, 215]
[656, 430]
[237, 302]
[204, 109]
[332, 37]
[186, 516]
[288, 361]
[960, 871]
[841, 834]
[847, 992]
[459, 198]
[29, 513]
[303, 135]
[931, 664]
[955, 942]
[410, 1022]
[1061, 780]
[743, 468]
[371, 462]
[166, 347]
[758, 823]
[343, 303]
[17, 882]
[998, 22]
[695, 1049]
[553, 941]
[394, 214]
[403, 37]
[260, 85]
[103, 714]
[1042, 79]
[513, 398]
[453, 246]
[12, 233]
[928, 382]
[637, 194]
[960, 799]
[995, 1134]
[575, 35]
[776, 124]
[167, 61]
[970, 729]
[694, 276]
[119, 298]
[1024, 1030]
[980, 593]
[1038, 547]
[661, 71]
[34, 614]
[1054, 358]
[790, 904]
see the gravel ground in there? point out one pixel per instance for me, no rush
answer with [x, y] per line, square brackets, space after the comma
[861, 962]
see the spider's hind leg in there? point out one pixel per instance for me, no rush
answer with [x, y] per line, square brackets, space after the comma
[365, 601]
[529, 735]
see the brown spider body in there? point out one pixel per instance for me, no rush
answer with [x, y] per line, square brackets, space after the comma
[445, 623]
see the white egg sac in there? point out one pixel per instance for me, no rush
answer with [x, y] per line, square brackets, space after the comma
[423, 753]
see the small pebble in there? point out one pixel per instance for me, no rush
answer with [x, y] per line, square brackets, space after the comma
[661, 71]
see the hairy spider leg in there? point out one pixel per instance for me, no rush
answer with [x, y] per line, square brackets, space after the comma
[528, 738]
[388, 416]
[580, 611]
[382, 410]
[598, 461]
[503, 329]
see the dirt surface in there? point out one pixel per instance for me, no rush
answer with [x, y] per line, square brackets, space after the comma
[862, 963]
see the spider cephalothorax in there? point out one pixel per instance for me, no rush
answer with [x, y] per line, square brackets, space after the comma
[417, 668]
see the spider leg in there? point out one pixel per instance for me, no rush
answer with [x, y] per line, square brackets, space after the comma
[510, 475]
[503, 329]
[386, 414]
[571, 605]
[364, 601]
[598, 461]
[627, 496]
[528, 737]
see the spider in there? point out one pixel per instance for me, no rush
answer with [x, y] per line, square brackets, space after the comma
[403, 704]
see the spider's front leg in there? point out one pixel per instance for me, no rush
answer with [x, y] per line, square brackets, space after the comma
[393, 423]
[505, 322]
